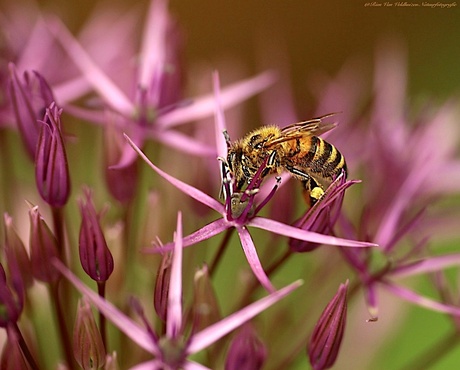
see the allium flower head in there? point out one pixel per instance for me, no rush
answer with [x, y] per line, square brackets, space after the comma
[244, 213]
[171, 350]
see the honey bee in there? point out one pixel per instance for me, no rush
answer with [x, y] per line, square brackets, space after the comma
[296, 149]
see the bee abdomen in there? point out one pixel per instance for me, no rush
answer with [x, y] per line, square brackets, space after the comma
[328, 161]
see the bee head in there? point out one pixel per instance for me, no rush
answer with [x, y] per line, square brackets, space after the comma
[238, 164]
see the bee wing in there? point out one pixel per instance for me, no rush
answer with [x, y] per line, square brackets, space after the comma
[315, 126]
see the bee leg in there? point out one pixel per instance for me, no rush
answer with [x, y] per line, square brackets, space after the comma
[312, 191]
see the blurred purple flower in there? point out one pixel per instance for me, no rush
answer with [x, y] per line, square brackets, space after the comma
[154, 108]
[171, 350]
[405, 170]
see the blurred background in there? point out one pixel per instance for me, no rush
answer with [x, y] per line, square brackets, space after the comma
[313, 36]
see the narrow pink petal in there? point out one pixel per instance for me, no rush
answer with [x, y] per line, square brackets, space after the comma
[230, 96]
[214, 332]
[149, 365]
[138, 334]
[420, 300]
[370, 294]
[95, 76]
[190, 365]
[39, 45]
[431, 264]
[309, 236]
[153, 43]
[206, 232]
[174, 318]
[253, 259]
[388, 225]
[184, 143]
[182, 186]
[219, 118]
[71, 90]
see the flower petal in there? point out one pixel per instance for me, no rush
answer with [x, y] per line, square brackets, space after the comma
[293, 232]
[206, 232]
[203, 106]
[214, 332]
[174, 313]
[138, 334]
[114, 96]
[431, 264]
[253, 259]
[420, 300]
[182, 186]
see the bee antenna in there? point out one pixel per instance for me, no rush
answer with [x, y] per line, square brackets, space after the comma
[227, 138]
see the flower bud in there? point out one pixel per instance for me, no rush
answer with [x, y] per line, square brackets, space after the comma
[12, 358]
[326, 338]
[111, 362]
[95, 256]
[16, 257]
[51, 169]
[323, 215]
[43, 248]
[205, 307]
[246, 352]
[160, 297]
[10, 306]
[30, 99]
[88, 348]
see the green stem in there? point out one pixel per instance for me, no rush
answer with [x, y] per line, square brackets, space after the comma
[102, 321]
[58, 225]
[220, 252]
[62, 326]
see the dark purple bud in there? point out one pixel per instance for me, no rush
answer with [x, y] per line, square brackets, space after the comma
[43, 248]
[160, 297]
[95, 256]
[323, 215]
[51, 169]
[327, 335]
[88, 347]
[246, 352]
[10, 305]
[17, 258]
[29, 98]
